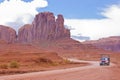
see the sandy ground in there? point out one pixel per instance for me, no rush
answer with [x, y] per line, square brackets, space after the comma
[90, 72]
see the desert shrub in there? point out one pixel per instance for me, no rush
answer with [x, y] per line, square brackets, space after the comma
[65, 61]
[55, 63]
[14, 64]
[43, 60]
[4, 66]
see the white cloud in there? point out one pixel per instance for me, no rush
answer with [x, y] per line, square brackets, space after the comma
[112, 12]
[16, 13]
[98, 28]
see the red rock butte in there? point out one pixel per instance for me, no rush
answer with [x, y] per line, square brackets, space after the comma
[7, 34]
[43, 28]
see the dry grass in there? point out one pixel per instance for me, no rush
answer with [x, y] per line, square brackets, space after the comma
[13, 63]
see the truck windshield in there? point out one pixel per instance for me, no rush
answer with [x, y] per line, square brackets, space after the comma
[104, 58]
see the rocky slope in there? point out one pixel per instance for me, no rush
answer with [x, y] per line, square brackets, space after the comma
[110, 43]
[7, 34]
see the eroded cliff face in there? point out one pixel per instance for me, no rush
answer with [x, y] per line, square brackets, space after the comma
[44, 28]
[7, 34]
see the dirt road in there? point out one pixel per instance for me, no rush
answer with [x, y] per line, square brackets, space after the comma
[90, 72]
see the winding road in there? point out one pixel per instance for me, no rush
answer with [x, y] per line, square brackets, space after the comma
[90, 72]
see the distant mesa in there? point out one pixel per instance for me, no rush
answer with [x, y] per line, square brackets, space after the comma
[81, 38]
[44, 28]
[110, 43]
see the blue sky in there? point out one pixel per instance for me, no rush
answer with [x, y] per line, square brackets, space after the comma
[89, 19]
[78, 8]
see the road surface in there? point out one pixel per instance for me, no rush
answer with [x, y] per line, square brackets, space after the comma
[90, 72]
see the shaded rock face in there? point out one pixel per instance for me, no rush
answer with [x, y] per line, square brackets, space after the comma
[111, 43]
[61, 32]
[24, 34]
[7, 34]
[44, 28]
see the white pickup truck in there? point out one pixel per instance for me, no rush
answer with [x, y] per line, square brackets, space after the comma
[105, 60]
